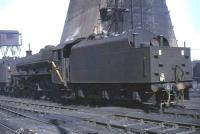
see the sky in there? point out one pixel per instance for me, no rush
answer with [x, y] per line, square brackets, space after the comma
[41, 21]
[185, 16]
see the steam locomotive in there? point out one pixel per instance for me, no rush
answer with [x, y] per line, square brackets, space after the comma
[113, 68]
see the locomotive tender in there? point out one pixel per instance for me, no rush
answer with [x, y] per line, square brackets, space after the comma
[117, 67]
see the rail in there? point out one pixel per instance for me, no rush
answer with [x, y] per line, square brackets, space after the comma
[132, 122]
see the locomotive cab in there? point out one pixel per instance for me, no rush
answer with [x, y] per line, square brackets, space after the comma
[60, 63]
[57, 76]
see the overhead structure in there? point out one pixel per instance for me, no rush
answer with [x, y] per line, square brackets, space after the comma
[10, 41]
[81, 19]
[86, 17]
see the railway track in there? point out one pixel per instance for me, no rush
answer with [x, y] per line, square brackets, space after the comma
[176, 110]
[183, 111]
[84, 128]
[130, 122]
[14, 113]
[7, 129]
[81, 127]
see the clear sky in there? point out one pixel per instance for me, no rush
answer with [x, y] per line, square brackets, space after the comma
[185, 15]
[41, 21]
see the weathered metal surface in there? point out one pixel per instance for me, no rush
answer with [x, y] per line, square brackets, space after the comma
[81, 19]
[44, 55]
[38, 63]
[115, 60]
[84, 18]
